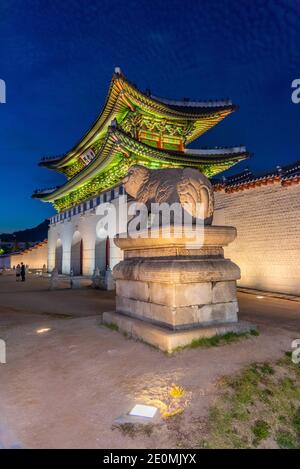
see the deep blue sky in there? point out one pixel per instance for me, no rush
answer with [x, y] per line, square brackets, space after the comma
[57, 58]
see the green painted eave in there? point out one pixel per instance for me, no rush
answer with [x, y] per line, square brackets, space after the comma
[119, 151]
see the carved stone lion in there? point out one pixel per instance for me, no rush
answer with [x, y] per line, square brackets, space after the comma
[171, 185]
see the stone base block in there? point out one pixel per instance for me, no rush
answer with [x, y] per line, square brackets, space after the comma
[58, 283]
[104, 280]
[178, 305]
[168, 340]
[80, 282]
[110, 283]
[175, 317]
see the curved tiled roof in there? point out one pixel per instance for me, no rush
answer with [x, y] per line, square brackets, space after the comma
[124, 95]
[286, 175]
[117, 141]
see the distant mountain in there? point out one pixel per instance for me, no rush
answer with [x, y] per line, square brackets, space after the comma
[38, 233]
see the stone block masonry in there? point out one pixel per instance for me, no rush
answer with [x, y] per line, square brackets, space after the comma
[35, 257]
[168, 301]
[267, 247]
[178, 306]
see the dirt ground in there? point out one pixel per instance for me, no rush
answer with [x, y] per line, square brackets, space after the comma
[65, 387]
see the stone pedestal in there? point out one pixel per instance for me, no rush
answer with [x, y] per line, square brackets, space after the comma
[77, 282]
[109, 280]
[103, 280]
[172, 290]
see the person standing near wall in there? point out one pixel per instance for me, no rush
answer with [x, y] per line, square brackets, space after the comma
[18, 272]
[23, 272]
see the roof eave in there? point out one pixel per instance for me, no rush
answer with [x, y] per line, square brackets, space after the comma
[118, 138]
[117, 83]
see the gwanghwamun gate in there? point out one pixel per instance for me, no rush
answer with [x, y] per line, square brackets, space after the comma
[136, 127]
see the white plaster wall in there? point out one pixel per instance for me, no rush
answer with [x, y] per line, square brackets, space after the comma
[35, 258]
[86, 224]
[52, 238]
[267, 248]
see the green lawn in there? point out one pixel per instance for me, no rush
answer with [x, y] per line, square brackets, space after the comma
[260, 407]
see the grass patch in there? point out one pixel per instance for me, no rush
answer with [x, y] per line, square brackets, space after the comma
[261, 430]
[134, 429]
[286, 440]
[260, 403]
[296, 423]
[218, 339]
[111, 326]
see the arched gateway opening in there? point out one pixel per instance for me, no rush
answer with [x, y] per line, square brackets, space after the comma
[76, 254]
[58, 256]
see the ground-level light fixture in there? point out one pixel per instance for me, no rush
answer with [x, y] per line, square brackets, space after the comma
[42, 330]
[140, 410]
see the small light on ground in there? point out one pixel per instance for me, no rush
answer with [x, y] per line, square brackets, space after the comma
[41, 331]
[140, 410]
[259, 297]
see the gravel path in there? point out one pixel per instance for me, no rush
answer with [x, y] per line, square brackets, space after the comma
[64, 388]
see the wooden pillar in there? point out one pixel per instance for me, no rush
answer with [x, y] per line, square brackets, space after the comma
[160, 142]
[107, 253]
[81, 256]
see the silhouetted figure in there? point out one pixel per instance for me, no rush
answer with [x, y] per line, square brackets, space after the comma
[18, 272]
[23, 272]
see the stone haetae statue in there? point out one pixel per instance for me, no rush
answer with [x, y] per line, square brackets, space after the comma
[176, 286]
[171, 185]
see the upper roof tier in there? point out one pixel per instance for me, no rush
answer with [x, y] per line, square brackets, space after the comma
[119, 151]
[159, 122]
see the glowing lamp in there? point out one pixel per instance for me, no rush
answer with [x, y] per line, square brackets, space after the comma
[140, 410]
[41, 331]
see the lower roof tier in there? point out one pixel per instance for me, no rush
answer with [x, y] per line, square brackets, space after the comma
[119, 151]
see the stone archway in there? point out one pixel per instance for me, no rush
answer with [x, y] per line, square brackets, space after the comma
[77, 254]
[58, 256]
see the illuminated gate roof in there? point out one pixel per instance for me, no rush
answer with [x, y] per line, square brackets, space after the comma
[136, 127]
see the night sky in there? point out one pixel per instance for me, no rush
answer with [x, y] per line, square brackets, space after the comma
[57, 59]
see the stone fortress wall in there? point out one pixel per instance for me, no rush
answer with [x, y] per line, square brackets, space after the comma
[35, 257]
[266, 213]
